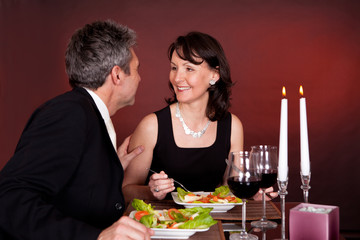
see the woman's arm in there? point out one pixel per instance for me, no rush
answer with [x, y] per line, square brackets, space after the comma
[138, 169]
[135, 175]
[237, 134]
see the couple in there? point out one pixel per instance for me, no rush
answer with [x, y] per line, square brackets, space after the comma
[66, 178]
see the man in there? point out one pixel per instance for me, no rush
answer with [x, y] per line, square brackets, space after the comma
[64, 180]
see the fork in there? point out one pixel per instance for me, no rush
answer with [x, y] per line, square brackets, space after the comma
[173, 179]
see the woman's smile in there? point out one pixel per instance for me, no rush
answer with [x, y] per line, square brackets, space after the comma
[181, 89]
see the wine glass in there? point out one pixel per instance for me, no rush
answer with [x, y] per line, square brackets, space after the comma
[267, 160]
[243, 179]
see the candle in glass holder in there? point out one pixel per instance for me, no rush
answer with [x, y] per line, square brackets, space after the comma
[283, 143]
[304, 142]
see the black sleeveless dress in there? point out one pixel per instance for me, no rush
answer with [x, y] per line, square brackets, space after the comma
[199, 169]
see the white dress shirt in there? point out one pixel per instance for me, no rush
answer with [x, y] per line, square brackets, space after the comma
[105, 115]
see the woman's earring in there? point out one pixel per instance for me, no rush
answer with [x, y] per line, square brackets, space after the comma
[212, 82]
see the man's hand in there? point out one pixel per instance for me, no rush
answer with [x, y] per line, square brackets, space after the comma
[126, 157]
[126, 228]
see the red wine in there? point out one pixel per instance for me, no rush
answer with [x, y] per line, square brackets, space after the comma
[243, 190]
[268, 179]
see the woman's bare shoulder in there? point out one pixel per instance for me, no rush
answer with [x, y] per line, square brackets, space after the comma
[146, 132]
[148, 122]
[235, 122]
[237, 134]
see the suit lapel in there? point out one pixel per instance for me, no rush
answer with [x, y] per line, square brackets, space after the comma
[83, 92]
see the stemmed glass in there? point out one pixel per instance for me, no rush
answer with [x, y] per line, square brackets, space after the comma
[267, 160]
[243, 179]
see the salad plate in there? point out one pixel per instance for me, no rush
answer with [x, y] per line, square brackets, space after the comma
[175, 233]
[166, 233]
[217, 207]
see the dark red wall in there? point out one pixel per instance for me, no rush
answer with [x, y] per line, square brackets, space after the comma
[268, 43]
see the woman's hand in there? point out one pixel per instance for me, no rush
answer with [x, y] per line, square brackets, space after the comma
[160, 185]
[126, 228]
[269, 194]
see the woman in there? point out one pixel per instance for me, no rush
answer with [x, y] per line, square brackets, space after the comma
[190, 139]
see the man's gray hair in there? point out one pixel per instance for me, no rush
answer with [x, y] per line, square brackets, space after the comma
[95, 49]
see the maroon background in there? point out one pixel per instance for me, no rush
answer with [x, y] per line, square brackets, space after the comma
[268, 43]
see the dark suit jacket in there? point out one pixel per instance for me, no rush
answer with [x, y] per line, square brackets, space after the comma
[64, 180]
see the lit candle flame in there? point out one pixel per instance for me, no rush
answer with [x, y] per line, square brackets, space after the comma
[301, 90]
[284, 91]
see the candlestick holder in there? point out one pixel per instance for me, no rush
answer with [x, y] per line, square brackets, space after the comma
[282, 192]
[305, 180]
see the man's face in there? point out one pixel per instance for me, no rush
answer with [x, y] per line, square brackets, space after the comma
[131, 81]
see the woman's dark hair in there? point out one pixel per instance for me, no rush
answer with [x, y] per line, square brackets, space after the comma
[196, 45]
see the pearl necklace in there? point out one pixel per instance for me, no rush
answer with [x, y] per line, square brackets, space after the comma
[187, 130]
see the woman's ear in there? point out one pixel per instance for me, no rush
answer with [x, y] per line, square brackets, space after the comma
[216, 74]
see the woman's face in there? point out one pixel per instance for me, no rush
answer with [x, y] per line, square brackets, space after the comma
[190, 81]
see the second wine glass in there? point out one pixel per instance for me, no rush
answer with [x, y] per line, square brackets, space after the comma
[267, 160]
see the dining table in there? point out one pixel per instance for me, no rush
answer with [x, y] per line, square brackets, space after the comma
[230, 221]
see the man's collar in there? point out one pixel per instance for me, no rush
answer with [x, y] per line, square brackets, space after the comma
[104, 111]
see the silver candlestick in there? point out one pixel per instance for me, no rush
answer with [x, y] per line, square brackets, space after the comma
[305, 180]
[282, 192]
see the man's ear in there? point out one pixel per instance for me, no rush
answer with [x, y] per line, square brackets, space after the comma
[116, 75]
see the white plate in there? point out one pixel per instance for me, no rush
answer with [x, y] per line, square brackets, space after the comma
[217, 207]
[175, 233]
[171, 233]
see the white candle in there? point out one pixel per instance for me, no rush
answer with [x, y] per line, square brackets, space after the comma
[283, 143]
[304, 142]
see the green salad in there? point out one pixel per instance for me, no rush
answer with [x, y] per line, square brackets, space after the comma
[189, 218]
[220, 195]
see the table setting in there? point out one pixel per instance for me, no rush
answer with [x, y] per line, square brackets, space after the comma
[232, 217]
[233, 213]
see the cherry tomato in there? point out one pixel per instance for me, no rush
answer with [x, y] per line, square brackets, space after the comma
[140, 214]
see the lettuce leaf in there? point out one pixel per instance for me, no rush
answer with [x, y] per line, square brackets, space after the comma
[181, 193]
[178, 217]
[223, 191]
[200, 222]
[187, 212]
[140, 205]
[149, 220]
